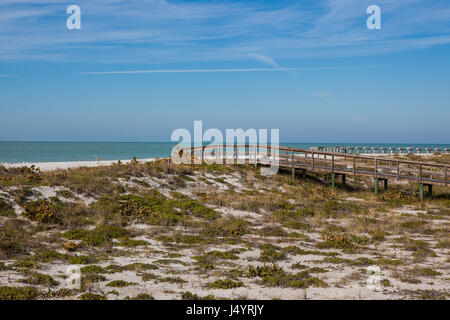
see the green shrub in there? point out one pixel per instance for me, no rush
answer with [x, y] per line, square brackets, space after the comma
[119, 284]
[79, 259]
[41, 210]
[263, 271]
[6, 210]
[206, 260]
[224, 284]
[92, 296]
[13, 239]
[40, 279]
[18, 293]
[93, 269]
[425, 272]
[272, 231]
[187, 239]
[377, 235]
[226, 227]
[132, 243]
[362, 261]
[271, 253]
[91, 278]
[155, 208]
[99, 236]
[191, 296]
[172, 280]
[299, 280]
[141, 296]
[386, 283]
[346, 242]
[334, 208]
[139, 266]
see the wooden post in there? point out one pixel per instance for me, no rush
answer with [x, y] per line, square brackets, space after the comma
[398, 169]
[354, 165]
[313, 159]
[333, 180]
[203, 153]
[376, 170]
[446, 176]
[376, 185]
[385, 184]
[343, 179]
[421, 191]
[292, 165]
[332, 163]
[420, 173]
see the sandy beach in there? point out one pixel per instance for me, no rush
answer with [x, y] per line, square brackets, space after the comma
[49, 166]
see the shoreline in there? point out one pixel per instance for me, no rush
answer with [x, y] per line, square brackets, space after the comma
[49, 166]
[63, 165]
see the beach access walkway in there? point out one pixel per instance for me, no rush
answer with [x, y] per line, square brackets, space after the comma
[336, 163]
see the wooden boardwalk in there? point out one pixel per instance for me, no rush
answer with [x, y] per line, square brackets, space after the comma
[382, 150]
[336, 163]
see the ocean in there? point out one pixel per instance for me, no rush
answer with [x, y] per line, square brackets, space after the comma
[13, 152]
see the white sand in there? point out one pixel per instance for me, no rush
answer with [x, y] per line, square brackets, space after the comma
[49, 166]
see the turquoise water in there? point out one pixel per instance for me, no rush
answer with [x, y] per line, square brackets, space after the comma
[81, 151]
[84, 151]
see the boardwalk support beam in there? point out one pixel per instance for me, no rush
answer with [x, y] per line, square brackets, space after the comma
[430, 190]
[328, 161]
[293, 173]
[333, 180]
[303, 173]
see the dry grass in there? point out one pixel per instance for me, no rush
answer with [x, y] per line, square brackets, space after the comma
[199, 228]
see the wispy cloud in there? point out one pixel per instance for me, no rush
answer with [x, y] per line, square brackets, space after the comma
[213, 70]
[182, 71]
[269, 61]
[264, 59]
[158, 31]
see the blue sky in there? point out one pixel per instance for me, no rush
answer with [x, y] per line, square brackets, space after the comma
[310, 68]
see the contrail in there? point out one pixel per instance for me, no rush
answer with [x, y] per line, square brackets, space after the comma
[182, 71]
[212, 70]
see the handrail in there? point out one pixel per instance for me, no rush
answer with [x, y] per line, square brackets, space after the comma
[344, 155]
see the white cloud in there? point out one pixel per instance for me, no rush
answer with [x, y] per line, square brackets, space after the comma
[157, 31]
[211, 70]
[181, 71]
[264, 59]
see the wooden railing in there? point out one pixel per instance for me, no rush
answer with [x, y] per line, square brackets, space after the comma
[323, 161]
